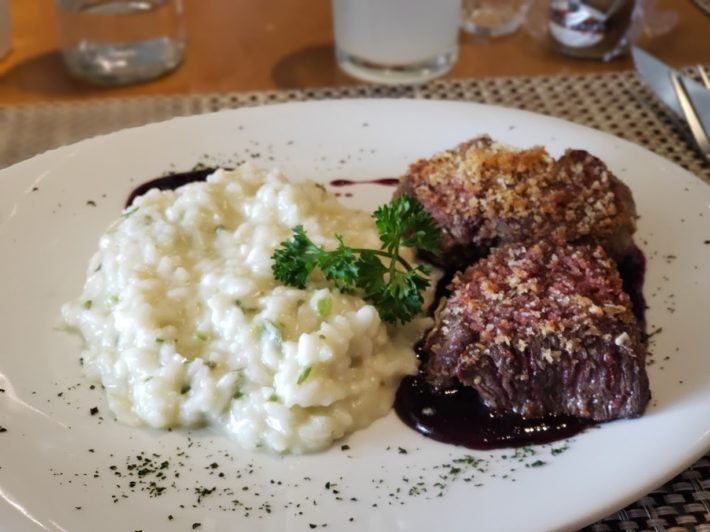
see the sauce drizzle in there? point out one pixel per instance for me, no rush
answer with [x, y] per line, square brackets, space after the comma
[384, 181]
[176, 180]
[170, 182]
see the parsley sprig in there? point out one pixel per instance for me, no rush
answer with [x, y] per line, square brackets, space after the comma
[383, 276]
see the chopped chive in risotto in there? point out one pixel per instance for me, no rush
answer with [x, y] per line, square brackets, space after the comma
[184, 324]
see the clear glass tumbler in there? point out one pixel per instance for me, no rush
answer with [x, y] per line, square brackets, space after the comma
[396, 41]
[493, 17]
[115, 42]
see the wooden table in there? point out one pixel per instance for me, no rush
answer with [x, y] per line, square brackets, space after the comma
[239, 45]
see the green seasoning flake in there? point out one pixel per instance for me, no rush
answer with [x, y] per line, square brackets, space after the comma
[113, 299]
[128, 213]
[304, 375]
[536, 463]
[273, 398]
[87, 304]
[201, 336]
[185, 388]
[273, 331]
[324, 306]
[559, 450]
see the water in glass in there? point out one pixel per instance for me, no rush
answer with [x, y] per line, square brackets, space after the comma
[121, 41]
[396, 41]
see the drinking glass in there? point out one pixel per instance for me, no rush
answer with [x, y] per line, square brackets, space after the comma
[396, 41]
[115, 42]
[493, 17]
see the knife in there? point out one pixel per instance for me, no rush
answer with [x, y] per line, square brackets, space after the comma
[657, 76]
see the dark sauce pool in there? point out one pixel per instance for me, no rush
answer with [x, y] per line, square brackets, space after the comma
[459, 417]
[170, 182]
[384, 181]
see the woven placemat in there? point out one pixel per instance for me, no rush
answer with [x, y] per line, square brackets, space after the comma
[617, 103]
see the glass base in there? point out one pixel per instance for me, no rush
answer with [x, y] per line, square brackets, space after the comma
[125, 63]
[494, 21]
[420, 72]
[491, 31]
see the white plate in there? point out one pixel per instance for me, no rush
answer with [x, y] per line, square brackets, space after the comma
[50, 479]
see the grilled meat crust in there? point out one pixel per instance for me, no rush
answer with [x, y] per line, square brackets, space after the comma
[484, 194]
[543, 328]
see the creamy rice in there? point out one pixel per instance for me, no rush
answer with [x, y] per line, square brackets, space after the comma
[184, 324]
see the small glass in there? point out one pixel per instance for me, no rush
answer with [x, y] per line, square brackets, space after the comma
[396, 41]
[591, 29]
[493, 18]
[116, 42]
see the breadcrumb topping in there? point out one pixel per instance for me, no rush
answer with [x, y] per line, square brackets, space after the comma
[556, 296]
[484, 193]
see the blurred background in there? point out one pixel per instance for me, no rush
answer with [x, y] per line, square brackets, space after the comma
[242, 45]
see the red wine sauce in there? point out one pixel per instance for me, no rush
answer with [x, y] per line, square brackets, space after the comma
[170, 182]
[173, 181]
[459, 417]
[384, 181]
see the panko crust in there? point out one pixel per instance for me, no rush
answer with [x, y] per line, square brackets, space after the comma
[485, 194]
[542, 329]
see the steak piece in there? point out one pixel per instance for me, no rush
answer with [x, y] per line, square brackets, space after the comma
[542, 329]
[485, 194]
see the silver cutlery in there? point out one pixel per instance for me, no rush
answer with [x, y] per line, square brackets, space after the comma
[686, 98]
[691, 115]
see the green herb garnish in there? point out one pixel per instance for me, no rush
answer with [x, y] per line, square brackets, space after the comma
[393, 287]
[536, 463]
[324, 305]
[304, 375]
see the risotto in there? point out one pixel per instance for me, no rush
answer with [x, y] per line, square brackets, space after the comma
[184, 325]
